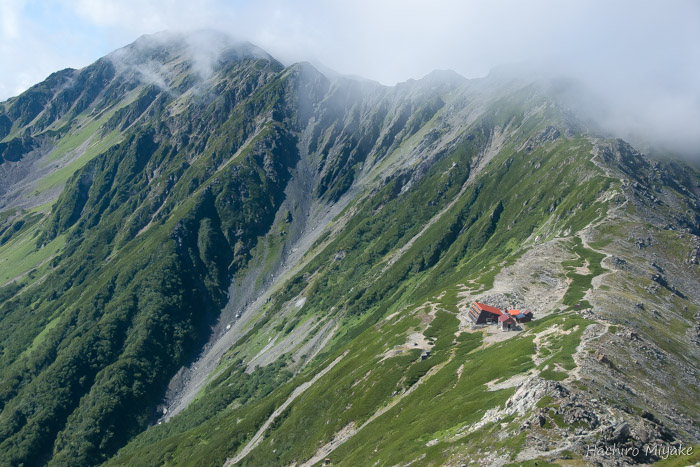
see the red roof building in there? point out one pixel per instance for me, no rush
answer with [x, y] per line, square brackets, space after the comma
[521, 316]
[480, 313]
[506, 322]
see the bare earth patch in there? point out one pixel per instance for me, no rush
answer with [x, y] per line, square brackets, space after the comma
[415, 340]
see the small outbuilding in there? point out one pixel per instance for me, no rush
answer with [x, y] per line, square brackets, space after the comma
[521, 316]
[506, 322]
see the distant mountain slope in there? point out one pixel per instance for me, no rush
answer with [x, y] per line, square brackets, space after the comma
[257, 255]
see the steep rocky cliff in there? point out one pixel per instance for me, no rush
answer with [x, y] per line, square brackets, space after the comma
[208, 257]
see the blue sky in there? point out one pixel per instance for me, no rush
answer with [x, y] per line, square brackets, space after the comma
[644, 56]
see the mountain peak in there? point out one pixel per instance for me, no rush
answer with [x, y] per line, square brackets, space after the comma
[445, 76]
[160, 56]
[192, 235]
[196, 43]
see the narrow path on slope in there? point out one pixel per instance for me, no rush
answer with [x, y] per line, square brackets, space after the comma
[299, 390]
[185, 385]
[349, 430]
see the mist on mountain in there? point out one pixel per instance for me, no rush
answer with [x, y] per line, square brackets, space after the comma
[638, 60]
[192, 230]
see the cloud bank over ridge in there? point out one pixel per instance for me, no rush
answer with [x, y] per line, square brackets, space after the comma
[640, 59]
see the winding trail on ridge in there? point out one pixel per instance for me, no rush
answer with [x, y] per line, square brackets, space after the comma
[299, 390]
[349, 430]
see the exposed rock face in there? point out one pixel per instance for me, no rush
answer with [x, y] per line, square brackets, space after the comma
[191, 235]
[532, 391]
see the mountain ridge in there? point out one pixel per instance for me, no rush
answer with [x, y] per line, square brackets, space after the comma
[239, 225]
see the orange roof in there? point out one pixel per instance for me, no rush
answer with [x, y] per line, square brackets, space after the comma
[488, 308]
[514, 312]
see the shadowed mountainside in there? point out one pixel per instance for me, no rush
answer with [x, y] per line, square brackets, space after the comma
[189, 227]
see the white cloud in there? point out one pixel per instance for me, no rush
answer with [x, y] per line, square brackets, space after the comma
[644, 56]
[144, 16]
[9, 18]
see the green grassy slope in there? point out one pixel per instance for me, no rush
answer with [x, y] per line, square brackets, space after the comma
[171, 194]
[500, 210]
[91, 340]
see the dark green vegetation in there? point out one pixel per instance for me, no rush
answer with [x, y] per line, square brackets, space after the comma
[125, 311]
[177, 187]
